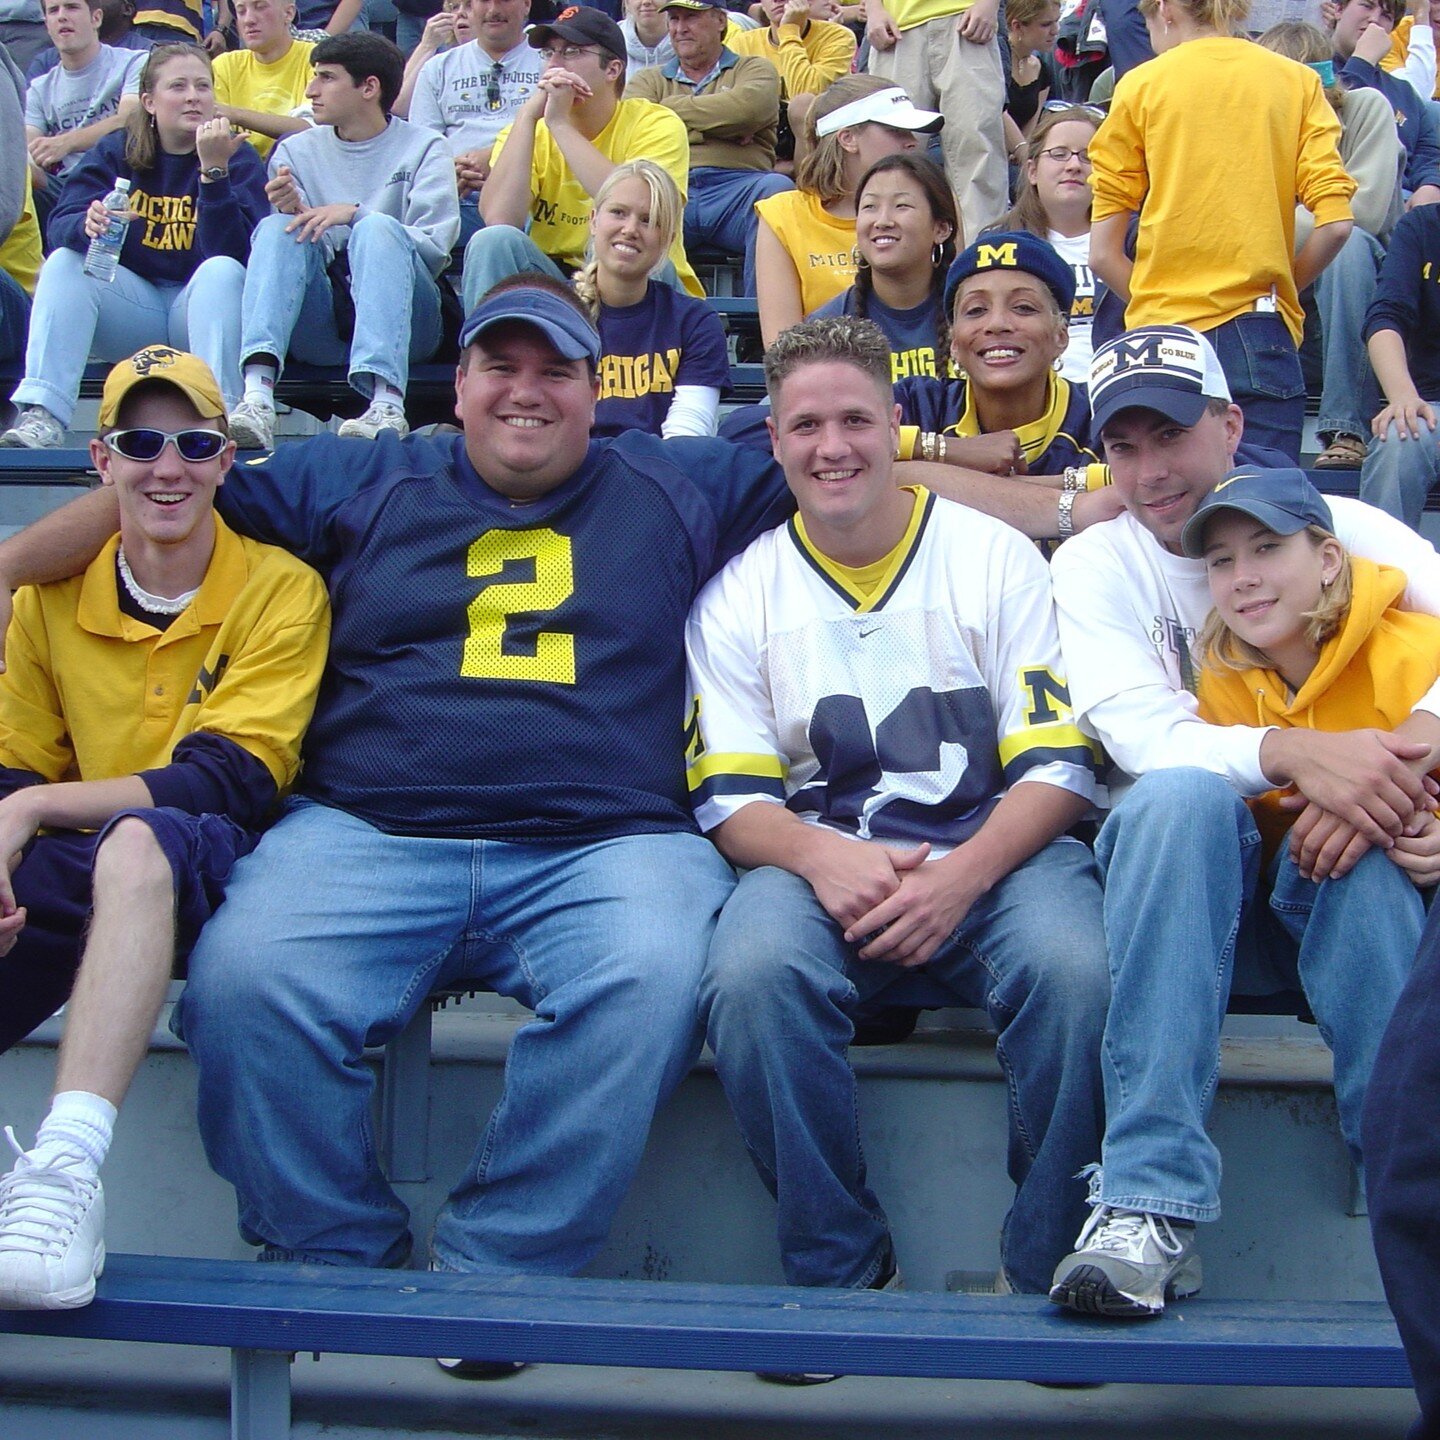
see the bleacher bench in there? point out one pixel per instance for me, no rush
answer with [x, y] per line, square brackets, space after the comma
[266, 1313]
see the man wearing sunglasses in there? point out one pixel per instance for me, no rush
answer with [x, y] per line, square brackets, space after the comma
[150, 716]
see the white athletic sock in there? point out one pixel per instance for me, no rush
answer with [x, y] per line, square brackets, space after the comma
[79, 1121]
[388, 394]
[260, 384]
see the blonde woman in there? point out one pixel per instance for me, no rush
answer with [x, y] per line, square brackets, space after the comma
[663, 361]
[1053, 202]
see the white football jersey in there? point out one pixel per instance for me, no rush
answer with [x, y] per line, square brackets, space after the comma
[902, 717]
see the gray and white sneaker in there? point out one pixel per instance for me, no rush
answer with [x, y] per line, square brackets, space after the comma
[252, 425]
[36, 429]
[382, 415]
[1127, 1263]
[52, 1232]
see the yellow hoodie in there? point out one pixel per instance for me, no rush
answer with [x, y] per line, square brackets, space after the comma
[1369, 675]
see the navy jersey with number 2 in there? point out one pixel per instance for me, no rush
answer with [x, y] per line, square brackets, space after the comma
[498, 670]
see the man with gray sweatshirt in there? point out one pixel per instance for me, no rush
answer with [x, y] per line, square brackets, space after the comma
[363, 191]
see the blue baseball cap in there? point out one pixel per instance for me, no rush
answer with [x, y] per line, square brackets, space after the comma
[1013, 250]
[572, 335]
[1281, 500]
[1170, 369]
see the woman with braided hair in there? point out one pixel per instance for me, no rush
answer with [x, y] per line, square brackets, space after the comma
[905, 230]
[663, 361]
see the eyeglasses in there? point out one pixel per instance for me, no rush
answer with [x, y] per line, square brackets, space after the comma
[568, 52]
[1053, 107]
[1061, 155]
[492, 86]
[191, 445]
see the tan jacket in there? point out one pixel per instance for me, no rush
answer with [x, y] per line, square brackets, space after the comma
[732, 123]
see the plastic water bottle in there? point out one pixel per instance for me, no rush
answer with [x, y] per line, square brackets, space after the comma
[103, 256]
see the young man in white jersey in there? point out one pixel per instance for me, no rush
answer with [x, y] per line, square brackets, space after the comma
[883, 744]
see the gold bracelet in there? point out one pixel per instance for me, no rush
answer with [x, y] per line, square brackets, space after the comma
[927, 444]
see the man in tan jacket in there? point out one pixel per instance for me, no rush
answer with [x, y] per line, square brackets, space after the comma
[730, 105]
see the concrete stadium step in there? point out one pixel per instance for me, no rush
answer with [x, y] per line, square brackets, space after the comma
[933, 1116]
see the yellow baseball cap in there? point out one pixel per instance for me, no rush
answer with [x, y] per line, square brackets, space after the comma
[187, 373]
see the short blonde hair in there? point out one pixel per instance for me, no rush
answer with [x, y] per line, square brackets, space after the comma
[1221, 648]
[845, 338]
[1026, 12]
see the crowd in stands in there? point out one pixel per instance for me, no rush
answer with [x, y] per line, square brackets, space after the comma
[1085, 319]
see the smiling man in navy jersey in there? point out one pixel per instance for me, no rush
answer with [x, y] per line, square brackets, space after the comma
[493, 789]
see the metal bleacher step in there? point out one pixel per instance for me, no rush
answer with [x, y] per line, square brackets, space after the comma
[933, 1116]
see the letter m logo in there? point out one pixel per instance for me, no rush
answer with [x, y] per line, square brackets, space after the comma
[987, 257]
[1140, 350]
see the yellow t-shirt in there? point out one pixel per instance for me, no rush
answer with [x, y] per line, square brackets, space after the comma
[20, 254]
[807, 63]
[245, 81]
[907, 14]
[822, 247]
[1217, 227]
[560, 206]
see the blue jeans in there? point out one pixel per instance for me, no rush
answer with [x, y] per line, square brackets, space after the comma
[1350, 396]
[1399, 472]
[720, 210]
[408, 30]
[470, 220]
[332, 935]
[14, 317]
[1182, 863]
[1260, 361]
[76, 318]
[289, 307]
[777, 1001]
[496, 252]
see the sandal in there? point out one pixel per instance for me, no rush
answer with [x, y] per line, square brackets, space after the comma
[1344, 452]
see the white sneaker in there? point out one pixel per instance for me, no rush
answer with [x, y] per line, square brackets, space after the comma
[1127, 1262]
[36, 429]
[52, 1232]
[382, 415]
[252, 425]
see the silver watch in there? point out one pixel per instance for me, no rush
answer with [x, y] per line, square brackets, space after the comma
[1065, 515]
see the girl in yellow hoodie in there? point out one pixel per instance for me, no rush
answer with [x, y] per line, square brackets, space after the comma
[1302, 633]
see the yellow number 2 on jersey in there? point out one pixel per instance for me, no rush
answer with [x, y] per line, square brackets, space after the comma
[485, 657]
